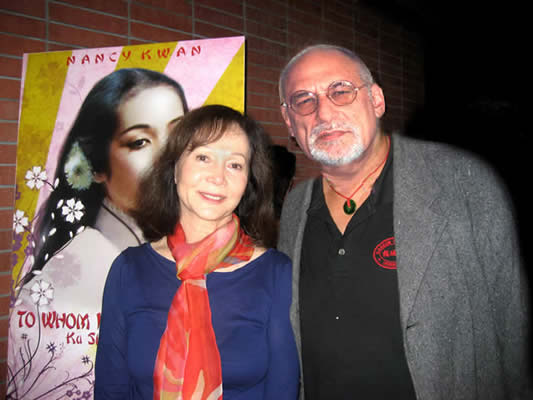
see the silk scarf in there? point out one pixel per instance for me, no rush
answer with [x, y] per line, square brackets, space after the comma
[188, 362]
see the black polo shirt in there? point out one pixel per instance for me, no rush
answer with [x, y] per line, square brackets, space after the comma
[351, 337]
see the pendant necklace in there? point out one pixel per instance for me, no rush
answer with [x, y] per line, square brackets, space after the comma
[349, 206]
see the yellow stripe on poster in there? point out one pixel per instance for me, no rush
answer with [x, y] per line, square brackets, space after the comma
[43, 89]
[154, 56]
[229, 90]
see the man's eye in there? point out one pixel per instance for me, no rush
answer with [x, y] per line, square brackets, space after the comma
[339, 93]
[301, 96]
[304, 100]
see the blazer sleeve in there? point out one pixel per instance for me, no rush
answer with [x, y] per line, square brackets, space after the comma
[497, 244]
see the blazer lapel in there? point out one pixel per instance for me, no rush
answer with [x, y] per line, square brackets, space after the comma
[418, 220]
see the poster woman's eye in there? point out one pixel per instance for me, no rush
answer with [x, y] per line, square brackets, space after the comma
[138, 144]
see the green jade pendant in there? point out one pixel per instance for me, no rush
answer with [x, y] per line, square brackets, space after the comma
[349, 207]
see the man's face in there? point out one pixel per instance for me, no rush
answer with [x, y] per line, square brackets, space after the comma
[332, 135]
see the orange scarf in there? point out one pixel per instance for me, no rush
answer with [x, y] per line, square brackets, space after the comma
[188, 361]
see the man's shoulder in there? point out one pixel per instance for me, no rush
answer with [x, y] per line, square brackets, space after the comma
[436, 155]
[433, 150]
[443, 164]
[430, 148]
[294, 211]
[301, 191]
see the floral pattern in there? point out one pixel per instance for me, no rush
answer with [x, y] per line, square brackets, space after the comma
[20, 221]
[42, 293]
[33, 366]
[35, 178]
[33, 360]
[72, 210]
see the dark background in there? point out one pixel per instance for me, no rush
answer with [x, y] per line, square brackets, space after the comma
[477, 87]
[476, 63]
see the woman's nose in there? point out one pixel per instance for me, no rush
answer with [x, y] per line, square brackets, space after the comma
[216, 173]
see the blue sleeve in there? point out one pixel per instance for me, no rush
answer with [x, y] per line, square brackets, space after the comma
[111, 370]
[282, 381]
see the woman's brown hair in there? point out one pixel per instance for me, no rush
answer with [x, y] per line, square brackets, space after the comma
[158, 204]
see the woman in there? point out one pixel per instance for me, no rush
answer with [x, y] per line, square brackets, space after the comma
[208, 204]
[84, 224]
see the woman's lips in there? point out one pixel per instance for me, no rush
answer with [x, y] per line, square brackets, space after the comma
[211, 196]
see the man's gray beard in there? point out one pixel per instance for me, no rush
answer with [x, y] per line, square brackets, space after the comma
[323, 157]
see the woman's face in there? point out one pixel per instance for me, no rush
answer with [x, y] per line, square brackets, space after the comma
[145, 121]
[211, 180]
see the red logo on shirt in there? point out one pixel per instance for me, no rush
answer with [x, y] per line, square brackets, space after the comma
[385, 254]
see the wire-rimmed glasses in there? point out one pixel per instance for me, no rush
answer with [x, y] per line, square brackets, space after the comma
[340, 93]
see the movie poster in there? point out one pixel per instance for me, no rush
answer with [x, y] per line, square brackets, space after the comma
[90, 123]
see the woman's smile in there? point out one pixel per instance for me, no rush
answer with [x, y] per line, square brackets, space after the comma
[213, 197]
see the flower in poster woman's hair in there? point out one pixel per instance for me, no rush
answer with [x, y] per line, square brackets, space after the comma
[72, 210]
[78, 169]
[35, 178]
[42, 293]
[20, 221]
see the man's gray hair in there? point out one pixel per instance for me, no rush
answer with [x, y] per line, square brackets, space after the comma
[364, 72]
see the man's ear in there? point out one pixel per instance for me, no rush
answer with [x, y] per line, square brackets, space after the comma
[286, 118]
[378, 100]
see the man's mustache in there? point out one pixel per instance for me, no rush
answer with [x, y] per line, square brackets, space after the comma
[331, 126]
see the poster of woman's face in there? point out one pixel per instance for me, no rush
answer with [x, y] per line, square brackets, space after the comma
[91, 123]
[144, 122]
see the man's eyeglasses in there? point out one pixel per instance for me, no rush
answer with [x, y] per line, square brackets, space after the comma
[341, 93]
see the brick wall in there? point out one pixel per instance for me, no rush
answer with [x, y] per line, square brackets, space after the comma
[274, 29]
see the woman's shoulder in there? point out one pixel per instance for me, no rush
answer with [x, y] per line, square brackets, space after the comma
[275, 261]
[134, 258]
[263, 261]
[277, 270]
[275, 256]
[132, 254]
[139, 267]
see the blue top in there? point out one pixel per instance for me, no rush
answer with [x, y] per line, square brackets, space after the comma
[250, 312]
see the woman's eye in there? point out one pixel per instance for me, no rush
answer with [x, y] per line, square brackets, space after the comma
[237, 166]
[138, 144]
[202, 157]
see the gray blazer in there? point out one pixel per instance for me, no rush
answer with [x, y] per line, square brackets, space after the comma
[462, 291]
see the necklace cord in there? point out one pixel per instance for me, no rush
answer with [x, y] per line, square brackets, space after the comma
[364, 180]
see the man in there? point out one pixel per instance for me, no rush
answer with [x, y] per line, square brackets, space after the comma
[407, 278]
